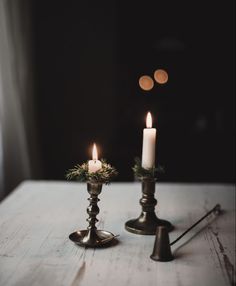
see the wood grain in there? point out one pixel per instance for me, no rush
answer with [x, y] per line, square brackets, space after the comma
[36, 219]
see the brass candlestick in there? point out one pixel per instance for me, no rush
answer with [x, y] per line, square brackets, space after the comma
[147, 222]
[92, 237]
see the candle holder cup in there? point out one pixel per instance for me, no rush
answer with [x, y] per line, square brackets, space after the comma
[147, 222]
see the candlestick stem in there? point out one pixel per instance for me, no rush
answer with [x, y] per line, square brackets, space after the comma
[147, 222]
[92, 237]
[94, 189]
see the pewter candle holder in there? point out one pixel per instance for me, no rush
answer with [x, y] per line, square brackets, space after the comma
[147, 222]
[92, 237]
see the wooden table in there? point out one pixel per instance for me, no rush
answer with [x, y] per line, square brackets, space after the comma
[36, 219]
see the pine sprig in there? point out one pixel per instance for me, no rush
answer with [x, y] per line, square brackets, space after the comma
[141, 172]
[81, 173]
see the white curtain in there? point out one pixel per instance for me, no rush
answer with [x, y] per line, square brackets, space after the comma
[18, 156]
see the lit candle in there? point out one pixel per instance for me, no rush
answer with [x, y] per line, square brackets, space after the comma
[149, 144]
[94, 165]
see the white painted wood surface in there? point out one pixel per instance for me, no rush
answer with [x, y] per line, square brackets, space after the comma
[36, 219]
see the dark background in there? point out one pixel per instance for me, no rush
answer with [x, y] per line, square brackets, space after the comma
[88, 58]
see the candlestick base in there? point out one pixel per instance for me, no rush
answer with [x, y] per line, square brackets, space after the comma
[91, 239]
[147, 222]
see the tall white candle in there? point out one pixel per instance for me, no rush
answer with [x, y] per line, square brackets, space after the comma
[94, 165]
[149, 144]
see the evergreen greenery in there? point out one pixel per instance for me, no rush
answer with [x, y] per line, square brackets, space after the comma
[141, 173]
[81, 173]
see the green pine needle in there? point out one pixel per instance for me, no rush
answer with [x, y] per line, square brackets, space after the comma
[81, 173]
[141, 173]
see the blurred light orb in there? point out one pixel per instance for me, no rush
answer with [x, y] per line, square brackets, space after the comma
[146, 82]
[161, 76]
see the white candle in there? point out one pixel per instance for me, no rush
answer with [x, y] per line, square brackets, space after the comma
[94, 165]
[149, 144]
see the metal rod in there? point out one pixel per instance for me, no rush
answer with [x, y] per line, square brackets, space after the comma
[216, 209]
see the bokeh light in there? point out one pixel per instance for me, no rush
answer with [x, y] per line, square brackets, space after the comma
[146, 82]
[161, 76]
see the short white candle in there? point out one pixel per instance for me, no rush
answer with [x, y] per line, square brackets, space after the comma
[149, 144]
[94, 165]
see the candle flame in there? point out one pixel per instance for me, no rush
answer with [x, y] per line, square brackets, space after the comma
[95, 152]
[149, 120]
